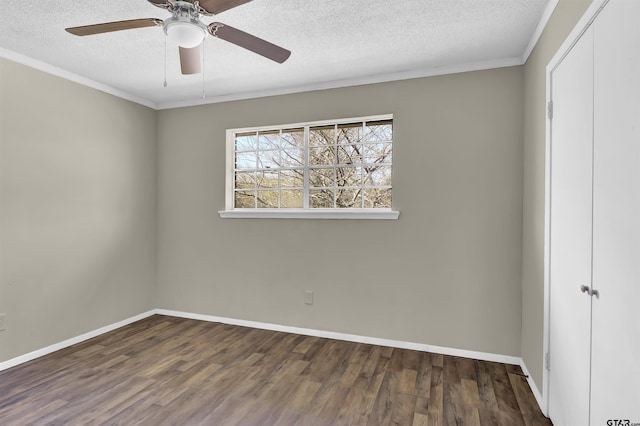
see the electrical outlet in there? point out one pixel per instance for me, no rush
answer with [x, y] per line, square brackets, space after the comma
[2, 320]
[308, 297]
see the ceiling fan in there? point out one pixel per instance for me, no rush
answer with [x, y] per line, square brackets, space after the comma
[185, 29]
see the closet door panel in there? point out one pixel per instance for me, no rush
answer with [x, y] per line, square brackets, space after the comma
[615, 374]
[570, 235]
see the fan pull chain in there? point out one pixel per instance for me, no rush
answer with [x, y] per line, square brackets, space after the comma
[204, 95]
[165, 61]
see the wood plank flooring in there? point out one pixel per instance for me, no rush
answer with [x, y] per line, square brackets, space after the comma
[173, 371]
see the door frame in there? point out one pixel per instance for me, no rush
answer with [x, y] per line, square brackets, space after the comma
[583, 24]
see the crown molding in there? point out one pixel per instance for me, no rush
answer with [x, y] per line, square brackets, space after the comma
[76, 78]
[350, 82]
[544, 20]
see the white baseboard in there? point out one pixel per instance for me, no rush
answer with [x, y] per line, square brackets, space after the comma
[534, 389]
[72, 341]
[484, 356]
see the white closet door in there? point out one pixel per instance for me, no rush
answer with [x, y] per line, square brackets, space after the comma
[615, 374]
[570, 235]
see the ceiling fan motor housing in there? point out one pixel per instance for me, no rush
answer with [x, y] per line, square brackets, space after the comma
[184, 28]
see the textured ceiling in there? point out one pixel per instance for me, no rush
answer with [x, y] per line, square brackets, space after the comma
[334, 43]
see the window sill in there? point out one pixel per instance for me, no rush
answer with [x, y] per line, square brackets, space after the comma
[309, 214]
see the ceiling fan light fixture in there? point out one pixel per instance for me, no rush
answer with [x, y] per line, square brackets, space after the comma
[184, 33]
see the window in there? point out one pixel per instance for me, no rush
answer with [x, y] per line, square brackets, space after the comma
[311, 170]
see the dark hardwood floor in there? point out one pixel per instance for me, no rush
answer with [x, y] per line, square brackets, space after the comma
[173, 371]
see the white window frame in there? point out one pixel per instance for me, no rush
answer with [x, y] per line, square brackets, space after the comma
[290, 213]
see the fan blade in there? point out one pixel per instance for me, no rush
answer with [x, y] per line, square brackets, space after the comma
[190, 60]
[249, 42]
[114, 26]
[164, 4]
[218, 6]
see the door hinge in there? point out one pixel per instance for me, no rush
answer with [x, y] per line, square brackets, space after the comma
[547, 361]
[549, 110]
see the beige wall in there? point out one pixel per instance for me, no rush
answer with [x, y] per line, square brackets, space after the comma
[564, 18]
[447, 273]
[77, 223]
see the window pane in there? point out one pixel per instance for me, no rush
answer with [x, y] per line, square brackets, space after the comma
[293, 157]
[350, 133]
[268, 199]
[319, 178]
[245, 199]
[349, 198]
[292, 138]
[268, 159]
[246, 141]
[348, 176]
[378, 131]
[322, 135]
[377, 153]
[245, 180]
[378, 176]
[349, 154]
[292, 178]
[269, 139]
[321, 199]
[246, 160]
[377, 198]
[292, 199]
[324, 155]
[267, 179]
